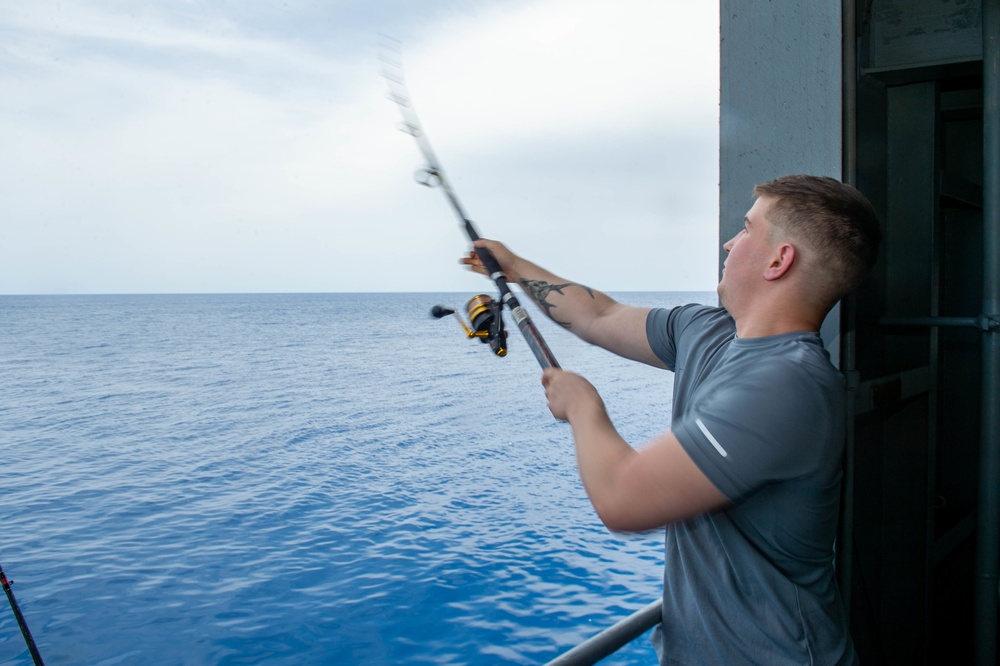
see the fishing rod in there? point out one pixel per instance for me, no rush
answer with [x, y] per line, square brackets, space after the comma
[35, 656]
[485, 315]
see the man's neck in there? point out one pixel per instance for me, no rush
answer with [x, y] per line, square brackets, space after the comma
[775, 323]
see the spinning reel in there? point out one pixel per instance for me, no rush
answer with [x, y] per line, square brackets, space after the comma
[486, 321]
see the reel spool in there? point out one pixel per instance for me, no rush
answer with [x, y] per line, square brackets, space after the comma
[486, 321]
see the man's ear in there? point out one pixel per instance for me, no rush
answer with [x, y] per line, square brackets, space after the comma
[781, 261]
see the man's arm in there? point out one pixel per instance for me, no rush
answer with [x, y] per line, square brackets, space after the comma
[590, 314]
[631, 490]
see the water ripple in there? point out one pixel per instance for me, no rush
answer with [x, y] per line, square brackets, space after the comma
[275, 480]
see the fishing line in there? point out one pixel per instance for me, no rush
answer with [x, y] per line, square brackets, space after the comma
[432, 175]
[35, 656]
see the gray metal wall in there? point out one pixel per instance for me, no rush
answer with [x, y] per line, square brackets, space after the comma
[781, 105]
[917, 553]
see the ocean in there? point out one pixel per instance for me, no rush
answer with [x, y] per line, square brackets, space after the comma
[304, 479]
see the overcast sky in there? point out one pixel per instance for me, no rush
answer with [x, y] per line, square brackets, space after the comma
[245, 146]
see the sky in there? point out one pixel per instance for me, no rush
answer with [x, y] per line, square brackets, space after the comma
[239, 146]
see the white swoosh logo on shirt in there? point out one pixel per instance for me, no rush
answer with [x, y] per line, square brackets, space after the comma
[713, 440]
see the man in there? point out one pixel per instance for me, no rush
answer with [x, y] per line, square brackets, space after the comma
[747, 480]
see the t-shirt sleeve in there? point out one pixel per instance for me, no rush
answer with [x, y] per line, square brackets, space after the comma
[762, 426]
[664, 327]
[659, 337]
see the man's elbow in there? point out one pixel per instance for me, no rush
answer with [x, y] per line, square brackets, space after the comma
[630, 516]
[615, 525]
[618, 518]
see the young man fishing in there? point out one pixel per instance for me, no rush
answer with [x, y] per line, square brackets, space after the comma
[747, 480]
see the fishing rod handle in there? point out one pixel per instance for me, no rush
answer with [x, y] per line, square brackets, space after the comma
[489, 261]
[531, 335]
[538, 347]
[492, 266]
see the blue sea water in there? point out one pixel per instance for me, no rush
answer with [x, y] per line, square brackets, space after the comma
[304, 479]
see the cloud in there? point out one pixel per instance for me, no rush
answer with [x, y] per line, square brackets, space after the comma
[569, 67]
[160, 148]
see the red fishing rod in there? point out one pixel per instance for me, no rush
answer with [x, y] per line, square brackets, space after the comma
[487, 318]
[35, 656]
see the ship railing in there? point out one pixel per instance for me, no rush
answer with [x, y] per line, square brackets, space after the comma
[611, 639]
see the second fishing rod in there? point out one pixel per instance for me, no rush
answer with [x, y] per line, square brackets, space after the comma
[485, 317]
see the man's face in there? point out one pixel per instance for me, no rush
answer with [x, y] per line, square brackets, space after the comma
[750, 251]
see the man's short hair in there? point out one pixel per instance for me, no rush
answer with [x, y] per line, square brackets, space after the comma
[833, 220]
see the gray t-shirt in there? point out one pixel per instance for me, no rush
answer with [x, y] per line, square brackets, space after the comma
[763, 418]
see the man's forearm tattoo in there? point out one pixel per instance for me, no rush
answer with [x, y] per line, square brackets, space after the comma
[539, 290]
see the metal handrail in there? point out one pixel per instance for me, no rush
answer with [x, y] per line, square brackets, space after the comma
[611, 639]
